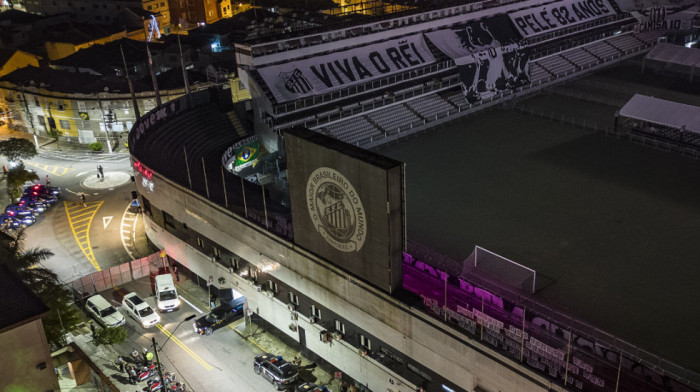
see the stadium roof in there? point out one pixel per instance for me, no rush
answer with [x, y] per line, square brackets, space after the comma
[660, 111]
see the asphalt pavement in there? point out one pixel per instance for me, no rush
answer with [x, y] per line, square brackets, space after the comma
[220, 362]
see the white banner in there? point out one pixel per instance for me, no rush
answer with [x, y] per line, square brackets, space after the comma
[665, 18]
[318, 75]
[557, 15]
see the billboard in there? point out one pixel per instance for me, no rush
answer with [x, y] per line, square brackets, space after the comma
[348, 206]
[488, 56]
[320, 74]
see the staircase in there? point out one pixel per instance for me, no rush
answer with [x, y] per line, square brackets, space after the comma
[240, 130]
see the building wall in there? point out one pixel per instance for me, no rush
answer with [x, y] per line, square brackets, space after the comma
[25, 349]
[436, 349]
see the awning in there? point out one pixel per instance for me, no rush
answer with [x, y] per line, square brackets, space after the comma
[659, 111]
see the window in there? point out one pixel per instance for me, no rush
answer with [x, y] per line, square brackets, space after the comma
[64, 124]
[235, 263]
[211, 13]
[168, 220]
[149, 7]
[81, 106]
[200, 242]
[339, 326]
[419, 372]
[253, 272]
[293, 298]
[129, 124]
[60, 106]
[272, 286]
[316, 312]
[365, 342]
[85, 124]
[217, 253]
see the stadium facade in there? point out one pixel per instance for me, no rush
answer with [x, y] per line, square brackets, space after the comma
[321, 251]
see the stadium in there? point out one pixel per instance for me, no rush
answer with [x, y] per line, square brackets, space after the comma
[451, 200]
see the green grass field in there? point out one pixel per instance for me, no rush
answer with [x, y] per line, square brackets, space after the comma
[611, 225]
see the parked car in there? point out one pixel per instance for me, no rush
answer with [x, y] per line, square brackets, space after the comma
[219, 317]
[11, 222]
[311, 387]
[103, 312]
[33, 204]
[276, 370]
[39, 190]
[140, 310]
[47, 198]
[16, 209]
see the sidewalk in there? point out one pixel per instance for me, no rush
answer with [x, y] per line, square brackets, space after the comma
[47, 144]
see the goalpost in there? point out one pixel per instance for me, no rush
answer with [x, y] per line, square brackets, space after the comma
[503, 269]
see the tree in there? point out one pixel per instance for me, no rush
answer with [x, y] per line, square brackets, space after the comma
[62, 317]
[16, 149]
[16, 177]
[110, 335]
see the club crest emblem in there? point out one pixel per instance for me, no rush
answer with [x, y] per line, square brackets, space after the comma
[295, 82]
[336, 210]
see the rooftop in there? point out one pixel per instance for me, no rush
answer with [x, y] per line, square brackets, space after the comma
[18, 305]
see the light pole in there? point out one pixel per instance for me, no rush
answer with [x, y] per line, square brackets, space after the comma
[106, 118]
[29, 114]
[155, 348]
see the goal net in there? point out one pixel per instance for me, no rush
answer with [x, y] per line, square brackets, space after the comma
[500, 268]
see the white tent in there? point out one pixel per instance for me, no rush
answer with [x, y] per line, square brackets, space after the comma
[659, 111]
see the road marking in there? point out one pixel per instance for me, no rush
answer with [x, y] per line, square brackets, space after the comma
[184, 347]
[55, 170]
[74, 210]
[106, 220]
[191, 304]
[127, 215]
[75, 193]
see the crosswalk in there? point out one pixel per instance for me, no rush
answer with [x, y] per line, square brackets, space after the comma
[80, 219]
[51, 169]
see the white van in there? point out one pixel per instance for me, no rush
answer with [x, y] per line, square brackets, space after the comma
[166, 295]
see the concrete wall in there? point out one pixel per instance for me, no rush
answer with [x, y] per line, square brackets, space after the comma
[435, 345]
[25, 349]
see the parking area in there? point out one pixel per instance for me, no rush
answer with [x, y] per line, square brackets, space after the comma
[222, 361]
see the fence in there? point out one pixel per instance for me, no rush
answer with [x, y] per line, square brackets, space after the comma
[115, 276]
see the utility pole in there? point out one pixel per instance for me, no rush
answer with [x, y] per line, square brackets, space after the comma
[160, 370]
[29, 116]
[131, 85]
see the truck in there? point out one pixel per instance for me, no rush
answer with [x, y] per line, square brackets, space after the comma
[167, 299]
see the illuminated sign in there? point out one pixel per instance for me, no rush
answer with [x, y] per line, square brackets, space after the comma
[146, 172]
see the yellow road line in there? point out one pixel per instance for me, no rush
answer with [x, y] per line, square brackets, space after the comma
[83, 240]
[184, 347]
[55, 170]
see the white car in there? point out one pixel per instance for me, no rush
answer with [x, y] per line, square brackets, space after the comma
[103, 312]
[139, 310]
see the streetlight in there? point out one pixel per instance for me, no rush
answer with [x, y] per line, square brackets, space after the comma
[155, 349]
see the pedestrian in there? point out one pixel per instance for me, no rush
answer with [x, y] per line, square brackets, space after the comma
[212, 301]
[82, 200]
[92, 329]
[132, 375]
[100, 172]
[344, 387]
[296, 361]
[177, 274]
[48, 181]
[121, 363]
[352, 388]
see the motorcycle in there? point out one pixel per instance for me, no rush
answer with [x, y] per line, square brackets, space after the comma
[154, 385]
[147, 372]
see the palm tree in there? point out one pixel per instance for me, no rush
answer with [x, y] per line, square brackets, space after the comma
[62, 317]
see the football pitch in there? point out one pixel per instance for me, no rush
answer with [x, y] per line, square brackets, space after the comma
[611, 226]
